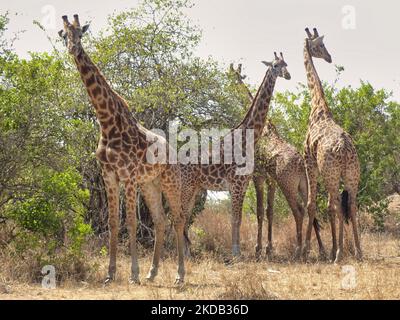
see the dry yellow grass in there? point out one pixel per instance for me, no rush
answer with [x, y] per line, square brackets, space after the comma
[208, 277]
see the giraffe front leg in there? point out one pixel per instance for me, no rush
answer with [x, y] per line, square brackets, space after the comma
[270, 216]
[179, 225]
[112, 189]
[188, 202]
[237, 194]
[131, 221]
[312, 175]
[259, 186]
[172, 191]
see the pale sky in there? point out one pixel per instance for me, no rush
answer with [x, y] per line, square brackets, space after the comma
[248, 31]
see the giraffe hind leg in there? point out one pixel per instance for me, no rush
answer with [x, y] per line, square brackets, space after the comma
[112, 189]
[131, 222]
[171, 187]
[153, 198]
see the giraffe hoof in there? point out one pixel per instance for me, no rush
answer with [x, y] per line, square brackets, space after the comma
[297, 254]
[134, 280]
[258, 254]
[108, 280]
[332, 256]
[150, 277]
[339, 256]
[305, 256]
[323, 256]
[359, 256]
[269, 252]
[179, 282]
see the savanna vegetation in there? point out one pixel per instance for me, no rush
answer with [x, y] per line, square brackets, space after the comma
[53, 207]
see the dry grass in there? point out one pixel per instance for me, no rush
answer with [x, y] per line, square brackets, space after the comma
[209, 277]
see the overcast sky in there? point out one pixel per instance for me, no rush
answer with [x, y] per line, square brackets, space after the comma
[361, 35]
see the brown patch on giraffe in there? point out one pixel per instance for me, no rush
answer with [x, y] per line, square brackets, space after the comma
[90, 81]
[131, 132]
[104, 125]
[264, 95]
[140, 154]
[84, 69]
[126, 138]
[103, 104]
[96, 91]
[124, 157]
[113, 133]
[142, 143]
[111, 105]
[110, 121]
[112, 157]
[115, 144]
[101, 155]
[121, 163]
[126, 147]
[102, 115]
[118, 121]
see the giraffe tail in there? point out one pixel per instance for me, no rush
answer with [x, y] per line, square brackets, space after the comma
[346, 205]
[317, 225]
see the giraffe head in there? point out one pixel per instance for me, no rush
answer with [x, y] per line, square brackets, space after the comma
[72, 34]
[278, 66]
[237, 73]
[269, 128]
[317, 47]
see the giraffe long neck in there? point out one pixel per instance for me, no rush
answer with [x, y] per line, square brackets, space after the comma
[255, 116]
[271, 132]
[110, 108]
[250, 96]
[319, 107]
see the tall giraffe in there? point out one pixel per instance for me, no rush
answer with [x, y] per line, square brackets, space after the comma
[223, 177]
[121, 152]
[277, 162]
[330, 152]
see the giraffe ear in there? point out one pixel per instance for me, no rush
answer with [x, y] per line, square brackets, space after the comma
[85, 28]
[61, 33]
[319, 39]
[268, 64]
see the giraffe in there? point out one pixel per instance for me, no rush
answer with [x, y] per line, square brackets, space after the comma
[122, 154]
[277, 162]
[223, 177]
[329, 152]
